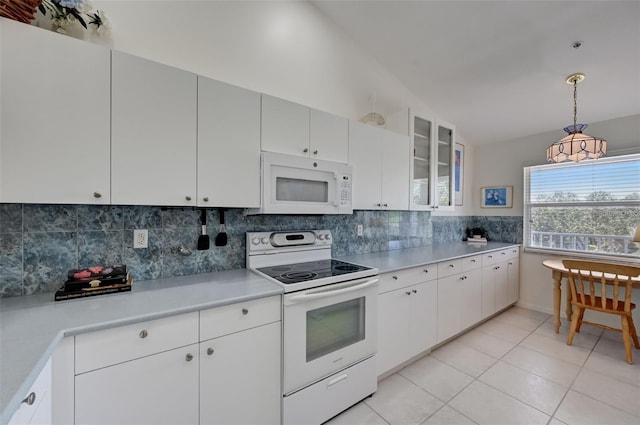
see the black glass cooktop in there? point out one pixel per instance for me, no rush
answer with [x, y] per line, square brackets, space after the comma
[301, 272]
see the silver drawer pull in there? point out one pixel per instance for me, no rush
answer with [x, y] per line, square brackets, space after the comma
[408, 293]
[143, 333]
[97, 195]
[245, 311]
[414, 291]
[210, 351]
[425, 270]
[451, 265]
[473, 261]
[188, 357]
[394, 277]
[30, 399]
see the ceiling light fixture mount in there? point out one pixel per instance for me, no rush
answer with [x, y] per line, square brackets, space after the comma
[576, 145]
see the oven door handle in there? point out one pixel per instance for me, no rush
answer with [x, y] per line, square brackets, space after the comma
[330, 293]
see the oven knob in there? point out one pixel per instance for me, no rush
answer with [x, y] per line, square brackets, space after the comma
[264, 240]
[320, 236]
[255, 241]
[327, 237]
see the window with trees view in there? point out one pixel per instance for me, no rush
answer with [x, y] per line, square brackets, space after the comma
[588, 207]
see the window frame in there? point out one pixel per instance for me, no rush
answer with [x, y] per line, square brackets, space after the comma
[528, 205]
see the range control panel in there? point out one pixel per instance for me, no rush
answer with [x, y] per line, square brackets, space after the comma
[288, 241]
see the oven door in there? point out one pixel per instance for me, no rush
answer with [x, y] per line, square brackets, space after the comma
[327, 329]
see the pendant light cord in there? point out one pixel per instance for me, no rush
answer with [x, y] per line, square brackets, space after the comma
[575, 105]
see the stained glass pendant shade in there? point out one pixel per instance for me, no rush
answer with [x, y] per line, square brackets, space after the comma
[576, 145]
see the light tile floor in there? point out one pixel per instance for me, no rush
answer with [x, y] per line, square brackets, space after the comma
[513, 369]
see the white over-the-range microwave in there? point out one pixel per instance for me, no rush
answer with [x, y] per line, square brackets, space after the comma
[298, 185]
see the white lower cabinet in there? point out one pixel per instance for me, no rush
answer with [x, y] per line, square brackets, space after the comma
[458, 302]
[500, 280]
[407, 316]
[161, 388]
[216, 366]
[36, 405]
[240, 377]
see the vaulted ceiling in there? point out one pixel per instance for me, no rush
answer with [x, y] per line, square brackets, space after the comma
[497, 69]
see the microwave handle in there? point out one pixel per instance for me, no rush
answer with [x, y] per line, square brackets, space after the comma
[336, 203]
[327, 294]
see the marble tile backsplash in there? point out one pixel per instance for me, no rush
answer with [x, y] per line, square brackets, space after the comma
[40, 243]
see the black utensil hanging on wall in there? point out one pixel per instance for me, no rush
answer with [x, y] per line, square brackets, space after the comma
[221, 237]
[203, 239]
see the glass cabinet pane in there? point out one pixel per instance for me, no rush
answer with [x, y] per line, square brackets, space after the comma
[421, 161]
[444, 171]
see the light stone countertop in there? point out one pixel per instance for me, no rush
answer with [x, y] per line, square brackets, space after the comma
[390, 261]
[31, 326]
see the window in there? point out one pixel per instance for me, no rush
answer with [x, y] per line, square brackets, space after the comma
[591, 207]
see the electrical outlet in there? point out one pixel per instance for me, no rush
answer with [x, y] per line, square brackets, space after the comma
[140, 238]
[359, 229]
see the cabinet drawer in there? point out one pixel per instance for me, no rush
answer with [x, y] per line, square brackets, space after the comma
[407, 277]
[448, 268]
[493, 257]
[103, 348]
[513, 252]
[232, 318]
[471, 263]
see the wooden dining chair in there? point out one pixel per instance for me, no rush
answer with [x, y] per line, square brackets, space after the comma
[588, 282]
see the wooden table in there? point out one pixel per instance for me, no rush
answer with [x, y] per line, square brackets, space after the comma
[559, 272]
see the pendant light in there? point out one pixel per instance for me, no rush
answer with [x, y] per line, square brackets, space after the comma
[373, 118]
[576, 145]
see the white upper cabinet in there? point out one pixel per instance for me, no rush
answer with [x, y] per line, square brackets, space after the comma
[153, 144]
[443, 154]
[329, 137]
[295, 129]
[228, 145]
[54, 137]
[395, 171]
[432, 159]
[380, 161]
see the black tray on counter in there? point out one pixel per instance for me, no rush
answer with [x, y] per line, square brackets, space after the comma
[64, 294]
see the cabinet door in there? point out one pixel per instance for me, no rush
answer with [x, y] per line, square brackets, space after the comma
[395, 171]
[36, 406]
[513, 272]
[424, 316]
[329, 137]
[54, 137]
[228, 145]
[443, 152]
[421, 132]
[470, 295]
[153, 144]
[285, 126]
[240, 377]
[502, 285]
[449, 293]
[365, 155]
[489, 290]
[162, 388]
[394, 332]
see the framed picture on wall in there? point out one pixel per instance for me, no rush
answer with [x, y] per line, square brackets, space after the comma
[458, 173]
[496, 197]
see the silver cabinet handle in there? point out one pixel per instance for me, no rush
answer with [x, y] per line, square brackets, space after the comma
[473, 261]
[97, 195]
[451, 265]
[379, 205]
[205, 199]
[315, 152]
[188, 357]
[245, 311]
[415, 291]
[394, 277]
[426, 270]
[188, 198]
[408, 293]
[305, 150]
[210, 351]
[386, 205]
[143, 333]
[30, 399]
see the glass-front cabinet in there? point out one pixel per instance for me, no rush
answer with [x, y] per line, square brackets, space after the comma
[432, 170]
[444, 175]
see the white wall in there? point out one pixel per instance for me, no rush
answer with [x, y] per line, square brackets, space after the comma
[283, 48]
